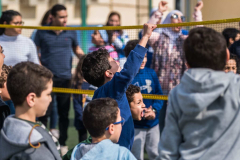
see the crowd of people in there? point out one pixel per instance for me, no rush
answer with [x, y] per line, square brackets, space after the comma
[198, 69]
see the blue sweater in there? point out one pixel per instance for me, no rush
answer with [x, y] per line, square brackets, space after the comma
[147, 80]
[116, 89]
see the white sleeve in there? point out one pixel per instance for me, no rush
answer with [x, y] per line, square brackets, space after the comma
[33, 55]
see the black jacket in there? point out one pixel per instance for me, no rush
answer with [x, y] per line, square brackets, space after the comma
[4, 112]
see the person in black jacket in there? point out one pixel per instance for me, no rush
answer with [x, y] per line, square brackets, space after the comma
[4, 109]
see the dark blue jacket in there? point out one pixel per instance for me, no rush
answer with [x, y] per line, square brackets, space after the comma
[78, 108]
[116, 89]
[147, 80]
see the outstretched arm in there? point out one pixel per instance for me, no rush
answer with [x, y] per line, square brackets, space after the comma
[197, 15]
[122, 80]
[156, 17]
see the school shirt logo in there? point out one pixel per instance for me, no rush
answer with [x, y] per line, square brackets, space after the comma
[147, 86]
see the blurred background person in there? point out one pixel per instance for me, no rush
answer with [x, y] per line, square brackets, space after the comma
[17, 48]
[117, 38]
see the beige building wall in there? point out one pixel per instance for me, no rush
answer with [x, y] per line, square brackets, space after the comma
[221, 9]
[133, 12]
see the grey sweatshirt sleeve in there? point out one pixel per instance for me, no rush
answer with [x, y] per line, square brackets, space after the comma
[171, 136]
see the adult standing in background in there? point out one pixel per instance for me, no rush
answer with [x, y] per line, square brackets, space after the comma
[168, 58]
[46, 20]
[17, 48]
[56, 54]
[118, 38]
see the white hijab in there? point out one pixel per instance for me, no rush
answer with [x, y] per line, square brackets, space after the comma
[168, 31]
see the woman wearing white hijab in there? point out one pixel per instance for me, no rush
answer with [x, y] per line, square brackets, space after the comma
[168, 59]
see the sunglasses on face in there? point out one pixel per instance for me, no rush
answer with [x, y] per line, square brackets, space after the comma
[122, 123]
[175, 16]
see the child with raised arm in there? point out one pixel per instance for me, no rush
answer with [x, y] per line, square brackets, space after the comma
[101, 70]
[203, 113]
[30, 87]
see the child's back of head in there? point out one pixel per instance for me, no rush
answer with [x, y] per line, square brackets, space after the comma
[99, 117]
[205, 48]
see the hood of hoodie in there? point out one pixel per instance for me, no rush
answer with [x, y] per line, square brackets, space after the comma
[105, 149]
[14, 136]
[201, 87]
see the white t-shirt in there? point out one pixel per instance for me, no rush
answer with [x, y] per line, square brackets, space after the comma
[18, 49]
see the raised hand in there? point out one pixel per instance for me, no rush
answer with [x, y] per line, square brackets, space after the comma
[199, 5]
[162, 6]
[147, 29]
[149, 114]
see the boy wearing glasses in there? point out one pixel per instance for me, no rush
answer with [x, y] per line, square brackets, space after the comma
[102, 119]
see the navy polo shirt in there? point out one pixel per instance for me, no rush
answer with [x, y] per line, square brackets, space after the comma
[56, 51]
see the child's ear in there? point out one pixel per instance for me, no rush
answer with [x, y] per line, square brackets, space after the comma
[111, 129]
[228, 55]
[31, 98]
[109, 74]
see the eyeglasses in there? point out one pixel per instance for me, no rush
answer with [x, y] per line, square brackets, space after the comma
[122, 123]
[18, 23]
[175, 16]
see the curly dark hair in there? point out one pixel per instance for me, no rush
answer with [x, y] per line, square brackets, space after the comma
[230, 33]
[234, 57]
[25, 78]
[205, 48]
[5, 71]
[99, 114]
[130, 46]
[94, 67]
[131, 91]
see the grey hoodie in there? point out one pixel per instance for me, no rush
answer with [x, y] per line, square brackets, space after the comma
[203, 119]
[14, 142]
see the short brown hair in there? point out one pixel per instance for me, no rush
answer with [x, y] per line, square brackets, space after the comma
[5, 71]
[25, 78]
[131, 91]
[205, 48]
[99, 114]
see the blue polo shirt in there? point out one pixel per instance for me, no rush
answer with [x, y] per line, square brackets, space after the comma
[56, 51]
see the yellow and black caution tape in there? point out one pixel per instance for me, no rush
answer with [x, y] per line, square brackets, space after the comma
[91, 92]
[186, 24]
